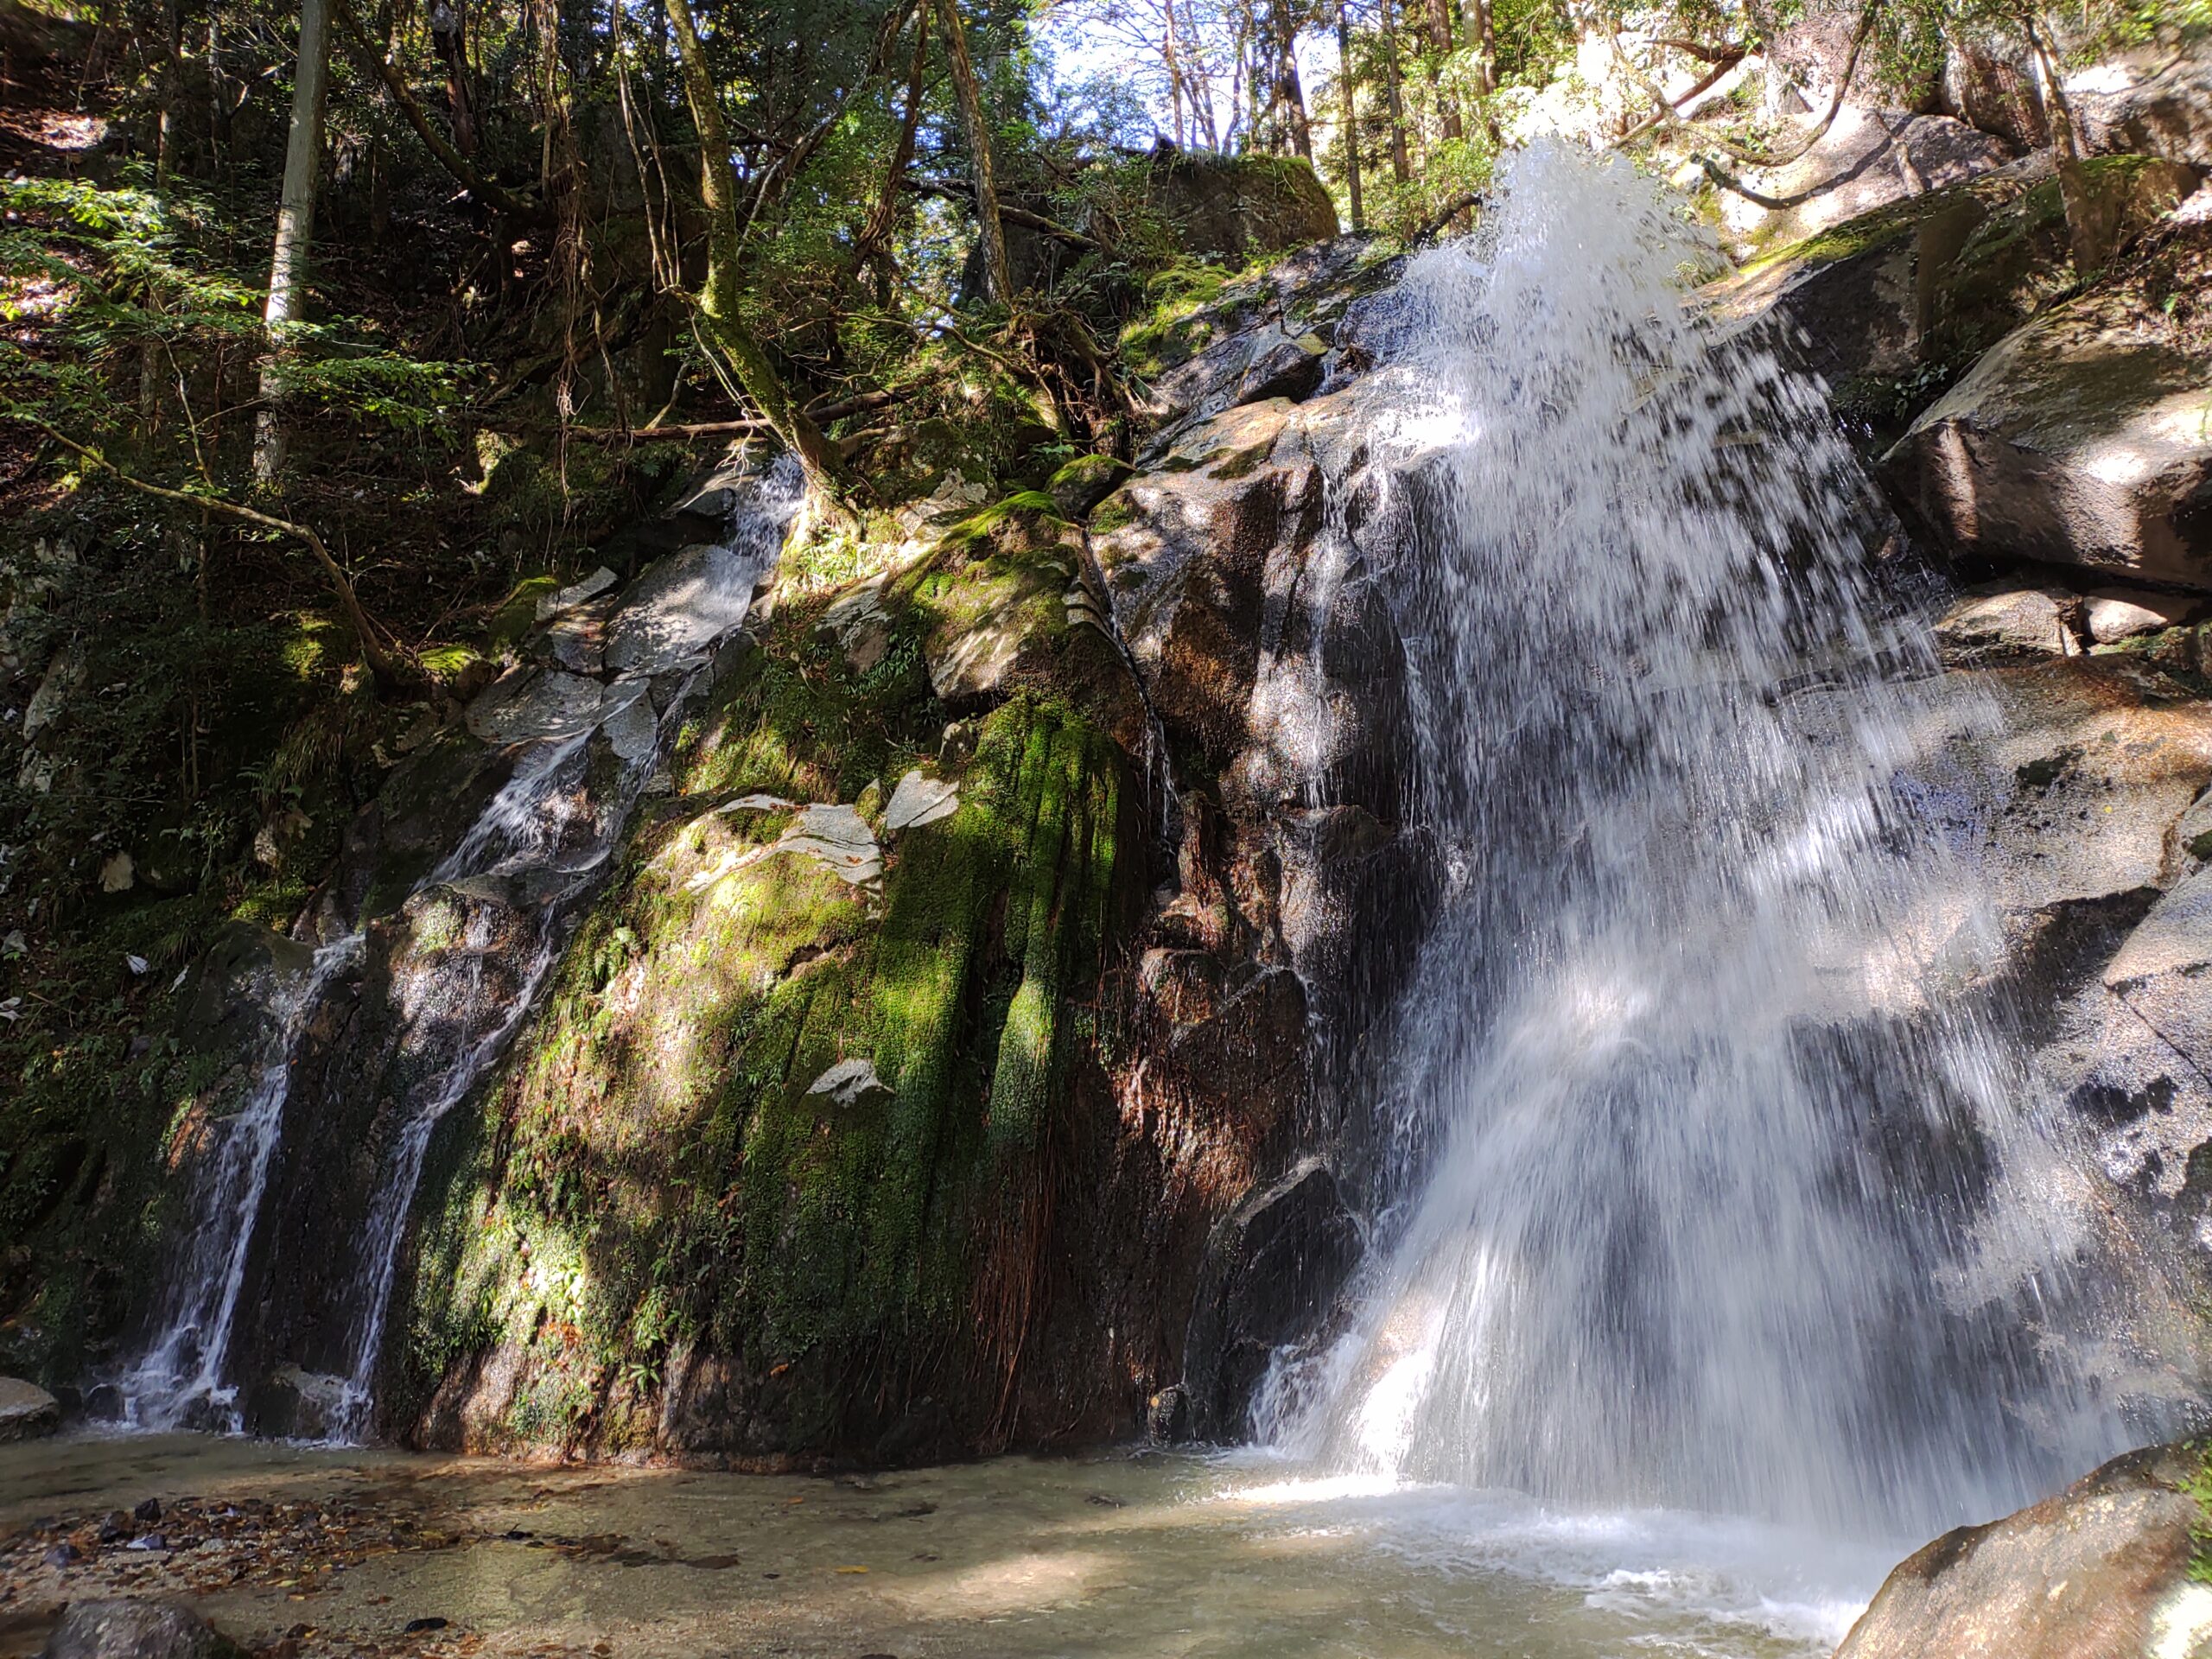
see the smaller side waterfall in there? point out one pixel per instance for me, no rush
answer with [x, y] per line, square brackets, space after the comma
[457, 980]
[179, 1379]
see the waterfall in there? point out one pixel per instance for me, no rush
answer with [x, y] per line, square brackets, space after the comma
[182, 1373]
[485, 925]
[1716, 1184]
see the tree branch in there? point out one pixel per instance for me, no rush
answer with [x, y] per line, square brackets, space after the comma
[1744, 154]
[437, 142]
[1008, 214]
[380, 661]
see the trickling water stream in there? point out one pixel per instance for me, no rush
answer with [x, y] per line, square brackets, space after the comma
[488, 922]
[1709, 1166]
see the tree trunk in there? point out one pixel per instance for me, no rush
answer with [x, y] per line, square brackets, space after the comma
[1439, 47]
[872, 244]
[1293, 94]
[995, 264]
[1201, 86]
[1393, 79]
[1350, 120]
[1174, 76]
[2091, 226]
[449, 38]
[719, 296]
[1479, 31]
[295, 230]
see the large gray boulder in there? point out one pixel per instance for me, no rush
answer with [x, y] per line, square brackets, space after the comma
[1238, 206]
[2080, 439]
[27, 1411]
[123, 1628]
[1887, 305]
[2102, 1571]
[2158, 102]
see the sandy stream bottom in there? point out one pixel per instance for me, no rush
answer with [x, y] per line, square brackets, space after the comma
[296, 1550]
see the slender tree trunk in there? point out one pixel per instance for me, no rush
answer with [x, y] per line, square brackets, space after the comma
[1350, 120]
[1479, 31]
[1201, 84]
[1439, 46]
[295, 230]
[2090, 226]
[1175, 75]
[172, 65]
[1393, 80]
[872, 244]
[1293, 94]
[149, 350]
[995, 264]
[719, 298]
[215, 124]
[449, 39]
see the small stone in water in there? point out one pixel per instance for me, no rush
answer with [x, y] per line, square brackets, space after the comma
[64, 1553]
[115, 1528]
[150, 1540]
[149, 1511]
[414, 1625]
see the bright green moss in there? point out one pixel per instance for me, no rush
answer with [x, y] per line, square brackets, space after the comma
[660, 1141]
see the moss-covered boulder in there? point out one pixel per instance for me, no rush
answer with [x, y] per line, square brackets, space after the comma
[1236, 207]
[772, 1174]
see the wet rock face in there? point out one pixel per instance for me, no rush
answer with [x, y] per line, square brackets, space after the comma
[2102, 1571]
[2075, 788]
[1273, 1268]
[1260, 624]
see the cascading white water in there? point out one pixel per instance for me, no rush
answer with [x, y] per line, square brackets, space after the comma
[1707, 1162]
[182, 1372]
[519, 871]
[522, 830]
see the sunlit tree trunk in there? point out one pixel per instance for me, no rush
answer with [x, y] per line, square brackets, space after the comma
[970, 94]
[872, 245]
[1174, 74]
[1201, 82]
[1479, 30]
[295, 230]
[1350, 119]
[718, 300]
[1292, 92]
[2089, 224]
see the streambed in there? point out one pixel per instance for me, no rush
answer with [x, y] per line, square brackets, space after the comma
[1117, 1554]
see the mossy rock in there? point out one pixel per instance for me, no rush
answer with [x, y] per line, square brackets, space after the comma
[767, 1125]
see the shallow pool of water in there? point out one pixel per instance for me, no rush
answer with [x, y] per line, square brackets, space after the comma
[1111, 1554]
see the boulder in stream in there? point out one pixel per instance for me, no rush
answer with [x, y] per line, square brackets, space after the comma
[2109, 1569]
[125, 1627]
[27, 1411]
